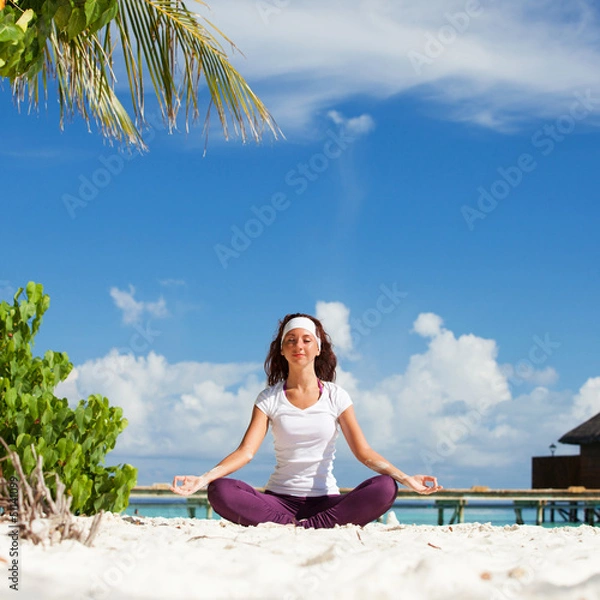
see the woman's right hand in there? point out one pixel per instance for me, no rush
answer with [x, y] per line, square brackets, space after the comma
[189, 484]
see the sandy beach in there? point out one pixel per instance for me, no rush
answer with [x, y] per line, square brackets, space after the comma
[158, 558]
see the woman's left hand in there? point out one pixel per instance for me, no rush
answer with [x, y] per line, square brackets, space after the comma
[189, 484]
[418, 483]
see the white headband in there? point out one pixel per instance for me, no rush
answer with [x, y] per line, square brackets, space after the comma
[303, 323]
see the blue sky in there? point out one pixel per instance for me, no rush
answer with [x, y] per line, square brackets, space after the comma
[434, 201]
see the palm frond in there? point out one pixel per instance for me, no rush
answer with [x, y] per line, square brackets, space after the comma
[157, 40]
[82, 70]
[165, 41]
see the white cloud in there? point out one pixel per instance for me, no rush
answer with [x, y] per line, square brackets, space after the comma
[173, 282]
[335, 318]
[525, 372]
[587, 401]
[172, 409]
[355, 126]
[506, 63]
[537, 419]
[134, 310]
[446, 395]
[54, 153]
[428, 325]
[451, 411]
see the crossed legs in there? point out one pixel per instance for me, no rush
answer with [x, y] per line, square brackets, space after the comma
[240, 503]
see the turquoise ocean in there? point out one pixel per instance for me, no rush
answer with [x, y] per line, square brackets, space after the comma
[425, 514]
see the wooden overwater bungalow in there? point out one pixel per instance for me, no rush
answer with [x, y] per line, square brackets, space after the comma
[577, 472]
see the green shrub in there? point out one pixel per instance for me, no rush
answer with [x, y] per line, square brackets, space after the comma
[72, 442]
[26, 25]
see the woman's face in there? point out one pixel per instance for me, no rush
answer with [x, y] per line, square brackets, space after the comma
[299, 346]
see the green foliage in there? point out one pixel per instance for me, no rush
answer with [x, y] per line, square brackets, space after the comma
[25, 26]
[20, 50]
[72, 442]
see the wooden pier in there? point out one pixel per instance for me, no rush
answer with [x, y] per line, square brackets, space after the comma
[161, 492]
[573, 505]
[567, 504]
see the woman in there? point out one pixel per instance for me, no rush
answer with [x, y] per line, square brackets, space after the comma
[304, 407]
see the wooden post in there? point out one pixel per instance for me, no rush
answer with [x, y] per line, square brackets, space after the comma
[454, 515]
[573, 518]
[461, 511]
[519, 515]
[539, 515]
[440, 514]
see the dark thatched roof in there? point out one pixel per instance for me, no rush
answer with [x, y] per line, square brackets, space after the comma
[586, 433]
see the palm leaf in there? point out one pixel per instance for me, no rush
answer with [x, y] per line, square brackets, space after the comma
[163, 47]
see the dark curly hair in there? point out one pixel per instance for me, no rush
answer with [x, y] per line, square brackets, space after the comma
[276, 366]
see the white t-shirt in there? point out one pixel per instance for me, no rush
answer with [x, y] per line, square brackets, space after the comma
[304, 440]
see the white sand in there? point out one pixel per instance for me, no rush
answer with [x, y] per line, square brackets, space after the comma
[192, 558]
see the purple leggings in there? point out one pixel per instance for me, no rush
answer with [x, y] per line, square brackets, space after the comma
[236, 501]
